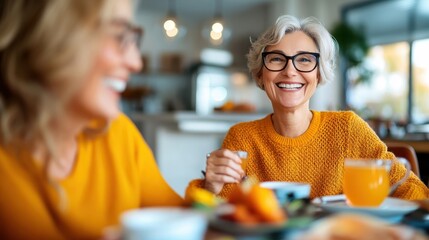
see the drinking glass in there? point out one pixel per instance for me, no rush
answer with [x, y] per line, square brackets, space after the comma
[243, 156]
[366, 181]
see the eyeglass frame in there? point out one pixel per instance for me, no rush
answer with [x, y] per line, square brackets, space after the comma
[316, 55]
[124, 37]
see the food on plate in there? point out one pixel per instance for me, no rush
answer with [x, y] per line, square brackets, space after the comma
[238, 194]
[227, 106]
[254, 204]
[230, 106]
[349, 226]
[242, 214]
[201, 198]
[264, 202]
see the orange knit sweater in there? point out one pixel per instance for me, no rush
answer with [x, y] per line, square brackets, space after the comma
[114, 172]
[315, 157]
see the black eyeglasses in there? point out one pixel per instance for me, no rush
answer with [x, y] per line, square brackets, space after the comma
[303, 62]
[127, 34]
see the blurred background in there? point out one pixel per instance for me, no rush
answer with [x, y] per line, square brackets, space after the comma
[195, 82]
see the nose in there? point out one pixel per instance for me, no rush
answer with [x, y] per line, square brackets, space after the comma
[132, 58]
[290, 68]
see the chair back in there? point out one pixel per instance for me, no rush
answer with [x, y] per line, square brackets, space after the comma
[405, 151]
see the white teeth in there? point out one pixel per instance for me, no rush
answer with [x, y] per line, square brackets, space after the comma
[290, 86]
[115, 84]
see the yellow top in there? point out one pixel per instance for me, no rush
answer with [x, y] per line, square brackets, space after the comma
[315, 157]
[113, 172]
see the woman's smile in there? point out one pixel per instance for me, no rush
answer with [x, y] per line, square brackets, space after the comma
[290, 86]
[115, 84]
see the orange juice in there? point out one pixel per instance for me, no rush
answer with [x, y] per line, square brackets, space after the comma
[366, 185]
[243, 156]
[244, 163]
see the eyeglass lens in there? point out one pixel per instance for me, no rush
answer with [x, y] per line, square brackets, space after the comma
[128, 34]
[303, 62]
[129, 37]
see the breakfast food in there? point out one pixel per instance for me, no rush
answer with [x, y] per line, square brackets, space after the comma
[254, 204]
[201, 198]
[230, 106]
[349, 226]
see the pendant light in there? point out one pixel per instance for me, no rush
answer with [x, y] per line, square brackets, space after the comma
[218, 33]
[170, 23]
[217, 24]
[216, 30]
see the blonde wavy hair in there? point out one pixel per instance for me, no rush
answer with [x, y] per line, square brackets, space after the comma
[326, 44]
[46, 49]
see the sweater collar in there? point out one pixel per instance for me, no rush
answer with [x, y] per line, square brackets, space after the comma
[303, 139]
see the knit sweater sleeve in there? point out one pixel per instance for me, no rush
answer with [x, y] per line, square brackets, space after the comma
[364, 142]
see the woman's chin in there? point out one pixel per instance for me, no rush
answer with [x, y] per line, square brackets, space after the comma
[113, 114]
[110, 113]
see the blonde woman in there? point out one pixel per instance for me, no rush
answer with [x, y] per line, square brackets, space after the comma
[70, 161]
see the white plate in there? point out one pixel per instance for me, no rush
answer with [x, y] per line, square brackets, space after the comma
[392, 209]
[283, 189]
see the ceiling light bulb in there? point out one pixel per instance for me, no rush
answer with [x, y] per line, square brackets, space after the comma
[172, 32]
[217, 27]
[169, 25]
[215, 35]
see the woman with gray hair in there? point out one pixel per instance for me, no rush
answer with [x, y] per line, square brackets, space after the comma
[295, 143]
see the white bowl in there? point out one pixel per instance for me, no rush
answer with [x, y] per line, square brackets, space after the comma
[163, 223]
[285, 190]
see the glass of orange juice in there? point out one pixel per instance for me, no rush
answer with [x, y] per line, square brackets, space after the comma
[243, 156]
[366, 181]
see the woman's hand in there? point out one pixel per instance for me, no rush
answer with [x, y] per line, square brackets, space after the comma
[222, 166]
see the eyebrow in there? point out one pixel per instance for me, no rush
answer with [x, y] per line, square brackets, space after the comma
[126, 23]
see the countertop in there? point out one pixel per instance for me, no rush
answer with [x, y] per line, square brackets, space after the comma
[193, 122]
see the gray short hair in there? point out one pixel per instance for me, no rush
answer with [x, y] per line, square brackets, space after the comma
[325, 43]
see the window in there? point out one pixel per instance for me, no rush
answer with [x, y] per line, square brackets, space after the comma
[420, 70]
[398, 86]
[384, 95]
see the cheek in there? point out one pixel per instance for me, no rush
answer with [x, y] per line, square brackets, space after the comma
[268, 76]
[312, 78]
[108, 58]
[267, 80]
[104, 64]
